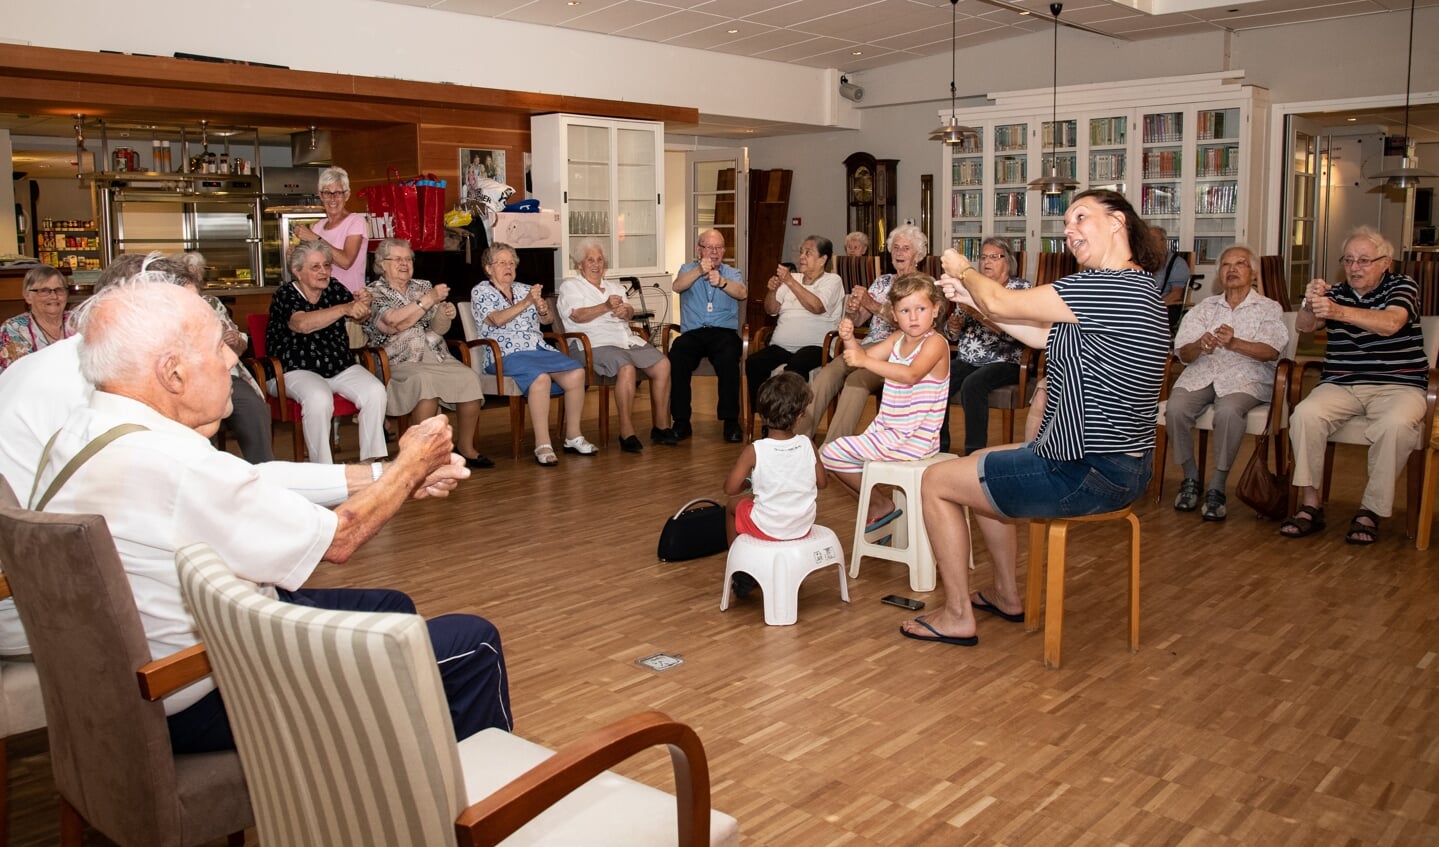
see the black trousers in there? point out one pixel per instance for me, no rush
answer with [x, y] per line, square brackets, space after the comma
[722, 347]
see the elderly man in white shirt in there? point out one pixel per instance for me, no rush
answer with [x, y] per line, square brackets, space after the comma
[597, 307]
[1229, 344]
[157, 359]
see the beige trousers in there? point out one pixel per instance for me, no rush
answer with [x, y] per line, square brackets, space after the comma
[1392, 417]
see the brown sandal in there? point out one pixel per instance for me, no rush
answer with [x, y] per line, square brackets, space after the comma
[1307, 520]
[1363, 533]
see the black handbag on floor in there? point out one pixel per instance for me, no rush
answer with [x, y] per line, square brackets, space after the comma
[695, 531]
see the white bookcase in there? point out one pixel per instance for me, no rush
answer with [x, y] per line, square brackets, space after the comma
[1187, 152]
[605, 177]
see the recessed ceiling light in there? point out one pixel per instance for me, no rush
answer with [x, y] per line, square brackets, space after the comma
[573, 3]
[856, 52]
[732, 31]
[1024, 14]
[1351, 120]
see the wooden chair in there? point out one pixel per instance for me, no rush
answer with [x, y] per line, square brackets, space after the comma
[856, 270]
[1266, 419]
[1352, 432]
[1273, 282]
[497, 384]
[109, 748]
[345, 738]
[830, 349]
[282, 408]
[1053, 266]
[1047, 550]
[1428, 492]
[22, 709]
[577, 345]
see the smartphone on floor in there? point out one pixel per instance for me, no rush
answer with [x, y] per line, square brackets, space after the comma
[903, 602]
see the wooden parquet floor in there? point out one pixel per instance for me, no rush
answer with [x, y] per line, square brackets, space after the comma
[1285, 691]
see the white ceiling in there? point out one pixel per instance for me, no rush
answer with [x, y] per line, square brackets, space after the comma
[855, 35]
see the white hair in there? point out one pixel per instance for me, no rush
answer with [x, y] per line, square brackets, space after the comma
[916, 238]
[132, 324]
[335, 176]
[585, 245]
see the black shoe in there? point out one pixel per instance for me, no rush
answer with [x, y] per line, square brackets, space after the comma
[732, 433]
[1188, 499]
[666, 437]
[743, 584]
[631, 444]
[682, 430]
[479, 462]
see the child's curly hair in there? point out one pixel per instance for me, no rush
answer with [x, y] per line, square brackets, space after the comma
[782, 399]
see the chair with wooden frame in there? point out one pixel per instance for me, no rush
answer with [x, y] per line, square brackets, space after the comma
[1273, 282]
[295, 678]
[1054, 266]
[1352, 432]
[830, 349]
[578, 347]
[1265, 421]
[109, 744]
[497, 384]
[856, 270]
[283, 408]
[22, 709]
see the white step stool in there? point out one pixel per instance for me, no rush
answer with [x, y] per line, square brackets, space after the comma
[910, 543]
[780, 566]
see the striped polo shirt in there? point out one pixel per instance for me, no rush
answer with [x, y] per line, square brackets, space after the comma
[1355, 356]
[1104, 372]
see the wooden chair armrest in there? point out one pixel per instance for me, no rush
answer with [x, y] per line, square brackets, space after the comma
[460, 350]
[496, 817]
[173, 672]
[562, 341]
[668, 333]
[744, 342]
[1172, 369]
[1296, 379]
[494, 348]
[4, 587]
[761, 339]
[265, 368]
[377, 361]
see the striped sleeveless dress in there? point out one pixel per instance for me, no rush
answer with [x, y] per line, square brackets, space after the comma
[906, 428]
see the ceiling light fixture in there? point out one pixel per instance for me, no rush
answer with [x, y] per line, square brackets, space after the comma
[1052, 182]
[952, 132]
[1408, 174]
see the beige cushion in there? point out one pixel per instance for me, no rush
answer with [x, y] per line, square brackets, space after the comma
[21, 707]
[608, 811]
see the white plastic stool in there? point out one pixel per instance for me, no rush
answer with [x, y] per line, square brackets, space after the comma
[780, 566]
[910, 543]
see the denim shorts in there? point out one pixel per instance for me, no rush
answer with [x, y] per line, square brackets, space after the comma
[1022, 484]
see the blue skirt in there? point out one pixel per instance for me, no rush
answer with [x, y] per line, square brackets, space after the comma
[526, 366]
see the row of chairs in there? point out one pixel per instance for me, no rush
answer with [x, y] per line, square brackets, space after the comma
[308, 770]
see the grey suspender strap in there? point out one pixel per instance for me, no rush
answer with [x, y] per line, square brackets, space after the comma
[89, 450]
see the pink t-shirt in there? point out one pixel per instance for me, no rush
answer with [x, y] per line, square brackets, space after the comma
[352, 277]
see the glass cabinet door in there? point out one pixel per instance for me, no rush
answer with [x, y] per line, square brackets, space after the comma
[636, 226]
[1216, 183]
[1011, 174]
[1160, 200]
[966, 197]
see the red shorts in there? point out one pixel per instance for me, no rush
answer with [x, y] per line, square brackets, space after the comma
[744, 525]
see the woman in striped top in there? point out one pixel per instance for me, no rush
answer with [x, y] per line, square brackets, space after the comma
[1106, 336]
[916, 390]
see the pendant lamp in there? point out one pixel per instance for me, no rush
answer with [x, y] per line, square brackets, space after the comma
[1408, 174]
[951, 132]
[1052, 182]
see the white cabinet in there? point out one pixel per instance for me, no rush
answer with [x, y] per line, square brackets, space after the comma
[1186, 151]
[604, 177]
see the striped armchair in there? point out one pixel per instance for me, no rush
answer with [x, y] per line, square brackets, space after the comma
[345, 738]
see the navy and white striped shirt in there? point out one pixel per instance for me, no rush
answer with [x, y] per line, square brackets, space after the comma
[1105, 371]
[1355, 356]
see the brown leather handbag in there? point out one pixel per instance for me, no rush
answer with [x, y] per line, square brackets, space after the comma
[1261, 489]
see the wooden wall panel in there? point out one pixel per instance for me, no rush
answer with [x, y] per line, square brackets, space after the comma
[440, 146]
[367, 153]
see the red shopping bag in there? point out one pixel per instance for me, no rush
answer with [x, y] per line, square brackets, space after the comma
[400, 200]
[431, 199]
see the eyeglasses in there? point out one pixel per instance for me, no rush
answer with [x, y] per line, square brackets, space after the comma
[47, 292]
[504, 264]
[711, 246]
[408, 260]
[330, 195]
[992, 257]
[1361, 264]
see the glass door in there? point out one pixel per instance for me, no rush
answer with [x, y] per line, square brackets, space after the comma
[637, 224]
[717, 183]
[1306, 149]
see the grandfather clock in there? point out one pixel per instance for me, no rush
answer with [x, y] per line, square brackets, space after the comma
[870, 192]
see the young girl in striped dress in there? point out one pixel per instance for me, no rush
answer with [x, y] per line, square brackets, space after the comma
[916, 388]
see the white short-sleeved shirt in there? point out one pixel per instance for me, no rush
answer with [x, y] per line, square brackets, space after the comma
[605, 330]
[166, 487]
[799, 327]
[1256, 318]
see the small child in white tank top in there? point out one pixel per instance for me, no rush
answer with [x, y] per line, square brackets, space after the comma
[783, 470]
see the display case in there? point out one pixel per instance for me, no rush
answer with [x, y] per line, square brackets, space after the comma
[1182, 150]
[217, 215]
[871, 196]
[604, 178]
[73, 244]
[278, 232]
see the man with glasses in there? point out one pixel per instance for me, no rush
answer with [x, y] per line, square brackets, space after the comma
[985, 357]
[1374, 368]
[711, 298]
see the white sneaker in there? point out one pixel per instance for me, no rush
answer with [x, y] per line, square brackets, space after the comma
[579, 445]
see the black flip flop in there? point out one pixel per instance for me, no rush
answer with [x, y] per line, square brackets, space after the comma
[983, 605]
[939, 637]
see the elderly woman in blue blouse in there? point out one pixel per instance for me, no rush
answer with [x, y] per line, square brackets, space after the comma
[510, 313]
[44, 320]
[408, 317]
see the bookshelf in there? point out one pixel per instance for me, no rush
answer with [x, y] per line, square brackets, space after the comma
[1182, 149]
